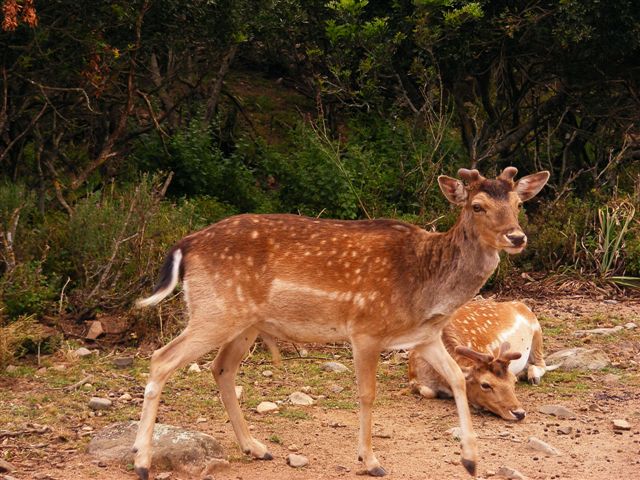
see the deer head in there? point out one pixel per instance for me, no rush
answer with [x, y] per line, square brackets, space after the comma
[490, 384]
[490, 208]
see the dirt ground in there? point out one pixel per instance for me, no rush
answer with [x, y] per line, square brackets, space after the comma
[411, 434]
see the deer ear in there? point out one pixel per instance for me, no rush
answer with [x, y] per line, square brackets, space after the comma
[453, 189]
[529, 186]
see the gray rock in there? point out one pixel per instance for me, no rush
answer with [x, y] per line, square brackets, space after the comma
[509, 473]
[97, 403]
[598, 331]
[579, 358]
[83, 352]
[300, 398]
[557, 411]
[335, 388]
[266, 407]
[297, 461]
[122, 362]
[630, 326]
[6, 466]
[334, 367]
[267, 373]
[174, 449]
[619, 424]
[538, 445]
[125, 397]
[565, 430]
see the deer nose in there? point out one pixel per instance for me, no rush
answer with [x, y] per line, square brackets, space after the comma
[519, 414]
[517, 239]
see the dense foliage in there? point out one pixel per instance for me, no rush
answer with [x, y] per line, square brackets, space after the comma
[125, 124]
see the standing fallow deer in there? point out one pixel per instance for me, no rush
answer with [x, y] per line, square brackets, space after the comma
[379, 284]
[494, 343]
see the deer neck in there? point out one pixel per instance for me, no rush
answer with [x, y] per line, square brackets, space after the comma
[455, 265]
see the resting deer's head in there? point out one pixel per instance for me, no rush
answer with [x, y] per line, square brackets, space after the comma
[491, 207]
[490, 384]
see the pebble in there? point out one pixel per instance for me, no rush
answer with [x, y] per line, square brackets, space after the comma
[335, 388]
[59, 367]
[334, 367]
[163, 476]
[304, 352]
[41, 371]
[630, 326]
[239, 392]
[300, 398]
[620, 424]
[201, 420]
[97, 403]
[125, 397]
[293, 447]
[87, 386]
[11, 368]
[267, 373]
[266, 407]
[306, 389]
[296, 461]
[535, 443]
[558, 411]
[95, 330]
[510, 473]
[194, 368]
[122, 362]
[82, 352]
[455, 432]
[565, 430]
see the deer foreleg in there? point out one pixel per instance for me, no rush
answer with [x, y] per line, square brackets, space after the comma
[436, 354]
[537, 366]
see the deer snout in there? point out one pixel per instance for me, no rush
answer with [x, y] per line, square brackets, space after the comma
[517, 239]
[519, 414]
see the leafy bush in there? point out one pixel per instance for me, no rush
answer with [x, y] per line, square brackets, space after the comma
[15, 338]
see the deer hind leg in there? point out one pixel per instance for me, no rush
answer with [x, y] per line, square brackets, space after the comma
[422, 377]
[272, 345]
[224, 369]
[436, 354]
[185, 348]
[365, 356]
[537, 366]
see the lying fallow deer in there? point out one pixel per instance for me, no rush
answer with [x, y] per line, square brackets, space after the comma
[379, 284]
[493, 342]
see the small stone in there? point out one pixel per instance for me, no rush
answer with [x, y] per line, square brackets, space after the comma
[335, 388]
[382, 434]
[510, 473]
[194, 368]
[201, 420]
[59, 367]
[97, 403]
[558, 411]
[95, 330]
[304, 352]
[293, 448]
[579, 358]
[610, 301]
[490, 473]
[87, 386]
[82, 352]
[41, 371]
[42, 476]
[163, 476]
[610, 379]
[306, 389]
[565, 430]
[334, 367]
[122, 362]
[597, 331]
[267, 373]
[630, 326]
[297, 461]
[266, 407]
[620, 424]
[213, 466]
[11, 368]
[125, 397]
[535, 443]
[239, 392]
[455, 432]
[6, 466]
[300, 398]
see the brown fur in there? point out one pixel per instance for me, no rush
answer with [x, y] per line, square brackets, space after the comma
[379, 284]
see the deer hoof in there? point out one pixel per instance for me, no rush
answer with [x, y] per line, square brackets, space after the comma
[377, 472]
[267, 456]
[470, 466]
[142, 472]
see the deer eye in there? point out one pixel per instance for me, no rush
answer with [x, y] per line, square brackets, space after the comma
[520, 205]
[477, 208]
[486, 386]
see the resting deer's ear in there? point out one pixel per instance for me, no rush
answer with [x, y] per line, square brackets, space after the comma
[453, 189]
[529, 186]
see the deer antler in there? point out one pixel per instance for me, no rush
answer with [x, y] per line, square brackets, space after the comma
[469, 176]
[508, 173]
[473, 355]
[505, 354]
